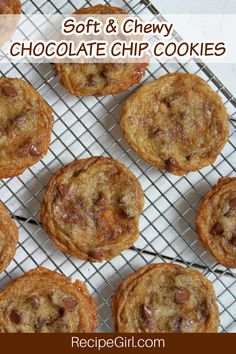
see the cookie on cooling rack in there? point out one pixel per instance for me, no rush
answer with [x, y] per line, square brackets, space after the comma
[10, 7]
[216, 221]
[161, 298]
[25, 126]
[91, 208]
[177, 123]
[44, 301]
[8, 238]
[99, 79]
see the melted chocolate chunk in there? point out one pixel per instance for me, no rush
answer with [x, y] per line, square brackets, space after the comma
[40, 323]
[61, 312]
[9, 91]
[20, 119]
[34, 301]
[91, 80]
[100, 200]
[63, 189]
[146, 312]
[33, 150]
[155, 132]
[95, 254]
[232, 203]
[177, 323]
[217, 229]
[170, 164]
[233, 240]
[69, 304]
[181, 295]
[5, 3]
[15, 317]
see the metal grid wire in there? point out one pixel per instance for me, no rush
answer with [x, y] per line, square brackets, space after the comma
[90, 126]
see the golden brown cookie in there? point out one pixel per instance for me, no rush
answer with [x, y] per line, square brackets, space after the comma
[8, 7]
[161, 298]
[177, 123]
[43, 301]
[8, 238]
[91, 208]
[99, 79]
[25, 126]
[216, 221]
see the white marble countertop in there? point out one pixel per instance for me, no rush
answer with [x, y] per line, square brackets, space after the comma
[225, 72]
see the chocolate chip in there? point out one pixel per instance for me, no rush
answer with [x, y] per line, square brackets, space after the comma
[233, 241]
[100, 200]
[217, 229]
[20, 119]
[156, 131]
[181, 295]
[234, 232]
[61, 312]
[177, 323]
[63, 189]
[78, 172]
[15, 317]
[33, 150]
[69, 304]
[34, 301]
[189, 157]
[5, 2]
[146, 312]
[95, 255]
[91, 80]
[9, 91]
[170, 164]
[228, 213]
[128, 205]
[40, 323]
[80, 203]
[204, 312]
[232, 203]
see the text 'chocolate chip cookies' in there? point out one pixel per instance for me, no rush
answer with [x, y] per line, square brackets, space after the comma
[216, 221]
[161, 298]
[25, 126]
[8, 238]
[10, 7]
[44, 301]
[91, 208]
[99, 79]
[177, 123]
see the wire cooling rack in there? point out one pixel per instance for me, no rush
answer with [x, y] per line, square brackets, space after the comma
[90, 126]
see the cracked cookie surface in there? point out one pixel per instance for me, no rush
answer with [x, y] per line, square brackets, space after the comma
[161, 298]
[46, 302]
[177, 123]
[8, 238]
[216, 221]
[25, 126]
[91, 208]
[9, 7]
[99, 79]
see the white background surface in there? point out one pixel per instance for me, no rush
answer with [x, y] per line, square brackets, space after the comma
[225, 72]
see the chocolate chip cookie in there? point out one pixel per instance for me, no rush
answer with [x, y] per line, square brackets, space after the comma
[44, 301]
[8, 238]
[25, 126]
[216, 221]
[91, 208]
[161, 298]
[10, 7]
[93, 79]
[177, 123]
